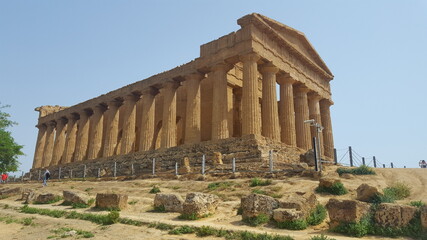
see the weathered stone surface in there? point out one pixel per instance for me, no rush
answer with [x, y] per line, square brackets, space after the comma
[302, 201]
[111, 201]
[46, 198]
[10, 191]
[171, 202]
[308, 158]
[365, 193]
[185, 166]
[255, 204]
[347, 176]
[283, 214]
[200, 204]
[75, 197]
[217, 159]
[29, 197]
[394, 215]
[346, 210]
[328, 182]
[424, 216]
[25, 193]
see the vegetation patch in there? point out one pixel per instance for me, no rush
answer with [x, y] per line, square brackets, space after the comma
[336, 189]
[54, 200]
[259, 191]
[257, 220]
[155, 190]
[259, 182]
[362, 170]
[219, 185]
[293, 225]
[192, 216]
[161, 226]
[69, 232]
[133, 202]
[182, 230]
[160, 208]
[397, 191]
[417, 204]
[23, 221]
[321, 237]
[129, 221]
[317, 216]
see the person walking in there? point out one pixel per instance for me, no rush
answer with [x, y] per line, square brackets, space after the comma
[4, 177]
[46, 176]
[423, 164]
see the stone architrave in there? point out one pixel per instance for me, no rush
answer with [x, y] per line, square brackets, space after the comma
[112, 129]
[328, 140]
[82, 137]
[219, 98]
[70, 140]
[48, 147]
[287, 110]
[128, 137]
[250, 102]
[148, 119]
[193, 110]
[59, 146]
[41, 140]
[301, 115]
[95, 132]
[169, 114]
[269, 110]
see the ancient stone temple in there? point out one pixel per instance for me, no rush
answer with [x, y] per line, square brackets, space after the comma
[224, 101]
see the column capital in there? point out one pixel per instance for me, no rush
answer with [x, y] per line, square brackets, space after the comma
[286, 78]
[114, 103]
[130, 98]
[314, 96]
[252, 57]
[62, 120]
[169, 84]
[98, 108]
[195, 75]
[222, 66]
[326, 102]
[51, 123]
[269, 68]
[302, 89]
[41, 125]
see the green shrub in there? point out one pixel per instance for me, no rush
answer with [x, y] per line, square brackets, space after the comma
[357, 229]
[257, 220]
[128, 221]
[219, 185]
[417, 204]
[259, 182]
[362, 170]
[321, 237]
[182, 230]
[27, 221]
[293, 225]
[259, 191]
[54, 200]
[336, 189]
[204, 231]
[160, 208]
[155, 190]
[317, 215]
[397, 191]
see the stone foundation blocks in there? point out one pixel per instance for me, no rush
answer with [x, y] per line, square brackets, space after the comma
[346, 211]
[169, 201]
[256, 204]
[111, 201]
[200, 204]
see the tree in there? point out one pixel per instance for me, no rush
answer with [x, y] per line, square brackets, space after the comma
[9, 149]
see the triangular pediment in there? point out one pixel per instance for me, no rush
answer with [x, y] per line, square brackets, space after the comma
[293, 37]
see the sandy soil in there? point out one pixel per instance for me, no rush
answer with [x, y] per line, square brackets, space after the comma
[138, 191]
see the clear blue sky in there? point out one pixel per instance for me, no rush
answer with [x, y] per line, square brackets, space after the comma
[66, 52]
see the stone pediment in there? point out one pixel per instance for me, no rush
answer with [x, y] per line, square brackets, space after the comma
[292, 37]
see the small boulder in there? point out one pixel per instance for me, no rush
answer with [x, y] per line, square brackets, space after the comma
[45, 198]
[328, 182]
[111, 201]
[217, 159]
[347, 176]
[25, 193]
[185, 166]
[29, 197]
[171, 202]
[365, 193]
[424, 216]
[200, 204]
[283, 214]
[394, 215]
[302, 201]
[75, 197]
[346, 211]
[255, 204]
[7, 192]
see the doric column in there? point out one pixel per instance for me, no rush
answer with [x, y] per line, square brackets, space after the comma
[82, 137]
[287, 110]
[169, 114]
[192, 122]
[314, 113]
[112, 129]
[95, 132]
[301, 114]
[41, 140]
[148, 119]
[48, 147]
[269, 111]
[58, 148]
[328, 140]
[250, 103]
[128, 136]
[219, 98]
[70, 140]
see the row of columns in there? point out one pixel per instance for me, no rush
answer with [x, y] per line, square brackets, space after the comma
[83, 135]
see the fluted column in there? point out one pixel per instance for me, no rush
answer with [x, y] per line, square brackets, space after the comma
[287, 110]
[250, 103]
[58, 148]
[314, 113]
[70, 140]
[169, 114]
[301, 114]
[112, 129]
[192, 122]
[269, 110]
[82, 137]
[328, 140]
[41, 140]
[95, 132]
[148, 119]
[128, 137]
[48, 147]
[219, 98]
